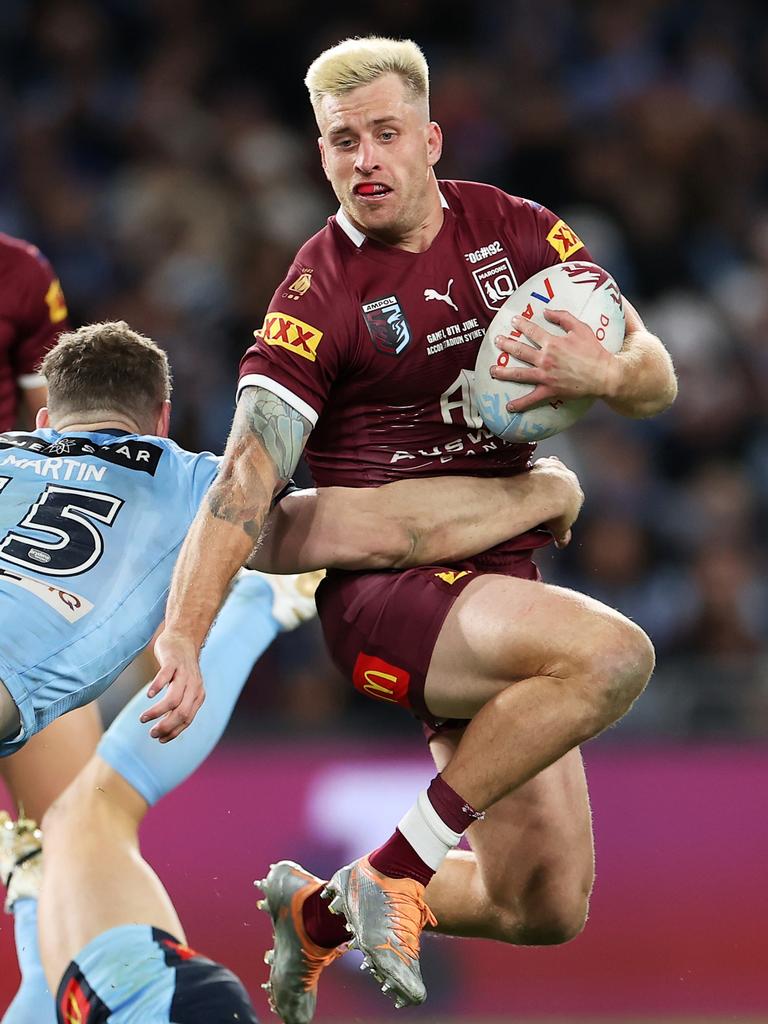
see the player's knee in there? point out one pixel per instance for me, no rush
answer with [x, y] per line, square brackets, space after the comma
[629, 664]
[621, 663]
[554, 922]
[550, 918]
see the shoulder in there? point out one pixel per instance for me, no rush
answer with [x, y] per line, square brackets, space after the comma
[22, 258]
[476, 199]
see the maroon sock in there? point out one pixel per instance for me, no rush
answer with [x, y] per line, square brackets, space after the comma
[452, 808]
[323, 927]
[398, 859]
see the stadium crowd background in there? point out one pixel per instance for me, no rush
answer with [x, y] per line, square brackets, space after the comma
[162, 154]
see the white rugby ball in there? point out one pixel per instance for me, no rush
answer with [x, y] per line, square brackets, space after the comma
[583, 289]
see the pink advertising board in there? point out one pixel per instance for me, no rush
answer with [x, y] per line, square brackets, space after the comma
[679, 913]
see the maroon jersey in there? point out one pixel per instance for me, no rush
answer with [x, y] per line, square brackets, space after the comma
[32, 314]
[376, 346]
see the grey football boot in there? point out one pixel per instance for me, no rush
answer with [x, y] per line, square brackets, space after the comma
[295, 961]
[386, 916]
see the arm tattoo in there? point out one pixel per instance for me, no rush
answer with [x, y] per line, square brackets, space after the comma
[264, 425]
[281, 429]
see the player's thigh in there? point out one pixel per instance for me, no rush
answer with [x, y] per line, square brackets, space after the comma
[532, 865]
[502, 629]
[45, 766]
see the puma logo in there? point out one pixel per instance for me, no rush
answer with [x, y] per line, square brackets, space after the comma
[430, 293]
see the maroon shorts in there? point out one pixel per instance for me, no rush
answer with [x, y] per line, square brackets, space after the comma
[381, 627]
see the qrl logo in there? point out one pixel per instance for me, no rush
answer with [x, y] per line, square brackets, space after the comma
[381, 680]
[288, 332]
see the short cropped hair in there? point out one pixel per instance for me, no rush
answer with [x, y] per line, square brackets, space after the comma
[360, 61]
[106, 368]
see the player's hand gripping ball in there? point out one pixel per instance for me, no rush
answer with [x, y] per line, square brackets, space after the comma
[584, 290]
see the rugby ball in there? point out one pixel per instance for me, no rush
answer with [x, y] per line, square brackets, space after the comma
[583, 289]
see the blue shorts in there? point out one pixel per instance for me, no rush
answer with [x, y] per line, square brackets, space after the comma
[136, 974]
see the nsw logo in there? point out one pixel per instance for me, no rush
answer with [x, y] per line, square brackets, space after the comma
[496, 282]
[387, 325]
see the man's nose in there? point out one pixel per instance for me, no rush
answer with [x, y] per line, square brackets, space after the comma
[365, 162]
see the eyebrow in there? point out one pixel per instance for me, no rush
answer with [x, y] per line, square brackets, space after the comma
[376, 121]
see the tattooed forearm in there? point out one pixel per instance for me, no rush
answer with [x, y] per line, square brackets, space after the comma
[282, 430]
[225, 502]
[265, 444]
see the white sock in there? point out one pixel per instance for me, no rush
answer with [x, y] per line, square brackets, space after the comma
[427, 833]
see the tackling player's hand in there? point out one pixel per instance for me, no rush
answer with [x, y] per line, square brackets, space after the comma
[569, 497]
[570, 365]
[180, 672]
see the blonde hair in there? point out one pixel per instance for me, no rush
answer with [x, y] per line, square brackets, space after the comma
[360, 61]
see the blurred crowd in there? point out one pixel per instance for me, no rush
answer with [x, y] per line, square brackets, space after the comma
[162, 154]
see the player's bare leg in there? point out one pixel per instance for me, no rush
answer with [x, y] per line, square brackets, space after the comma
[540, 665]
[91, 847]
[35, 776]
[45, 766]
[539, 670]
[529, 874]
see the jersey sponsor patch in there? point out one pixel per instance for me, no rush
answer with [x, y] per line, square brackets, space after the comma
[564, 240]
[496, 282]
[387, 325]
[300, 286]
[69, 605]
[130, 454]
[381, 680]
[286, 331]
[54, 300]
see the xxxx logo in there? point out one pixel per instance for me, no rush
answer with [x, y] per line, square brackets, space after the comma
[288, 332]
[451, 577]
[54, 300]
[564, 241]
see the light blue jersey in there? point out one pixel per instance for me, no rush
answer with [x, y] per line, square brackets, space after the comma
[90, 527]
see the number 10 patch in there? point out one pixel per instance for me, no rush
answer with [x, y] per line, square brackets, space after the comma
[496, 282]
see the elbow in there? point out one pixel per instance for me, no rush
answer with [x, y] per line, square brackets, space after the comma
[663, 401]
[405, 553]
[384, 545]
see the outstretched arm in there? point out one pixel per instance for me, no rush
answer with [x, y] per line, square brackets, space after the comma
[416, 522]
[264, 445]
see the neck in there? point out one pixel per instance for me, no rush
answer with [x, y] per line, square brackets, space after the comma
[76, 423]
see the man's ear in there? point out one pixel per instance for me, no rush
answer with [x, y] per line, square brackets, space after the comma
[42, 419]
[163, 424]
[321, 147]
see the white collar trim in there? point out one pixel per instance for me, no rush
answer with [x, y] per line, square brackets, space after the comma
[355, 234]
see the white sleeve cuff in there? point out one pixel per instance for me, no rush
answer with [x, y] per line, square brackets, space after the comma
[258, 380]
